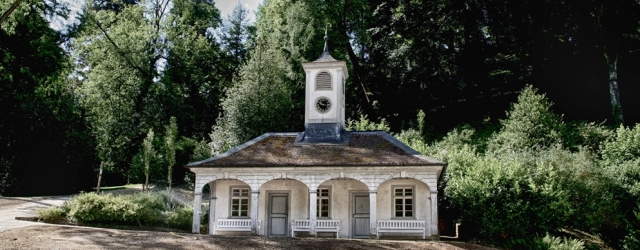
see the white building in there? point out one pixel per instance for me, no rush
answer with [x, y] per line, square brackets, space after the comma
[324, 180]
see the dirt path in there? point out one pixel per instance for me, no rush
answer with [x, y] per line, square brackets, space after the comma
[18, 234]
[65, 237]
[11, 207]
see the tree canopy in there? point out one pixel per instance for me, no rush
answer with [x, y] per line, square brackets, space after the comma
[512, 94]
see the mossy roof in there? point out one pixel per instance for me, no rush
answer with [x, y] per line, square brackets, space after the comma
[375, 148]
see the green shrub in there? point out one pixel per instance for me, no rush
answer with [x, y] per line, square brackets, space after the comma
[625, 146]
[141, 208]
[587, 135]
[512, 196]
[546, 243]
[51, 214]
[181, 218]
[530, 124]
[364, 124]
[632, 239]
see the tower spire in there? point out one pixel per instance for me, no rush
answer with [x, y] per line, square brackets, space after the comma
[326, 40]
[325, 56]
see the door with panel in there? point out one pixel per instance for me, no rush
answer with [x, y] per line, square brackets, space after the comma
[278, 214]
[360, 215]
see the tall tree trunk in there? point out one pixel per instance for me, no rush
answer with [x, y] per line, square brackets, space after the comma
[99, 177]
[614, 92]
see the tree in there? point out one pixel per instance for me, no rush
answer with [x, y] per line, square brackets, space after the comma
[197, 70]
[170, 146]
[16, 11]
[234, 35]
[149, 154]
[267, 94]
[530, 124]
[44, 140]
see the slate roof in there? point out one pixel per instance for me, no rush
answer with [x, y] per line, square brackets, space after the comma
[325, 57]
[278, 150]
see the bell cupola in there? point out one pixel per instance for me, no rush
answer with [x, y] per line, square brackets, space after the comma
[324, 99]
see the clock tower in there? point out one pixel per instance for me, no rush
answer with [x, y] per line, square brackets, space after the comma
[324, 100]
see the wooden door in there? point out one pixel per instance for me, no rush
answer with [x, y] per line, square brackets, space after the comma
[360, 215]
[278, 214]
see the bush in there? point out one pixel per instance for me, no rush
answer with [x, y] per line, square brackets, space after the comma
[546, 243]
[632, 239]
[141, 208]
[364, 124]
[51, 214]
[180, 218]
[530, 124]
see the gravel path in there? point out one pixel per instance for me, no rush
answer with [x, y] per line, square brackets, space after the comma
[19, 234]
[11, 207]
[67, 237]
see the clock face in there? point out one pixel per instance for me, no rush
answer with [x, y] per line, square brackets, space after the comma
[323, 105]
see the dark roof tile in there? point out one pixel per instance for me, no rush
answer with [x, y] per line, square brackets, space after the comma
[363, 149]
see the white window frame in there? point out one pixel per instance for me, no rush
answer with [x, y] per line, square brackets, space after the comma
[404, 197]
[319, 197]
[241, 196]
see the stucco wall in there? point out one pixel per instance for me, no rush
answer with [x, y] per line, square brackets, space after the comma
[336, 113]
[340, 199]
[222, 194]
[298, 200]
[422, 201]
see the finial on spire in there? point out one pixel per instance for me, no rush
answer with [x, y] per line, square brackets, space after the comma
[326, 38]
[325, 56]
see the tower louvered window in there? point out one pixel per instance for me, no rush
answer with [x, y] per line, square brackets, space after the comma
[323, 81]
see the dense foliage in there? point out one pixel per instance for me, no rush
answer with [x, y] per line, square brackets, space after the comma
[526, 182]
[88, 95]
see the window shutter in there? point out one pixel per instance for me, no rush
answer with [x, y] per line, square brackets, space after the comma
[323, 81]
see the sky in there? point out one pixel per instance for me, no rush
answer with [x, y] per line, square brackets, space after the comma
[225, 6]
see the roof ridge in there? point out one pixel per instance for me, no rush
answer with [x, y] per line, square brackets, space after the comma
[241, 147]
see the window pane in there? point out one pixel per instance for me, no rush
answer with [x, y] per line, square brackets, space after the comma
[245, 192]
[235, 192]
[409, 214]
[408, 192]
[398, 201]
[244, 201]
[243, 213]
[398, 207]
[408, 207]
[398, 213]
[244, 207]
[235, 201]
[408, 201]
[234, 213]
[325, 214]
[235, 207]
[325, 202]
[398, 191]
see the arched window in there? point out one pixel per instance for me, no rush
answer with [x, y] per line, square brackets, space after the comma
[323, 81]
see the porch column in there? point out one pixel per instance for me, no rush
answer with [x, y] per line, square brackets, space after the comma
[197, 208]
[212, 207]
[373, 221]
[434, 213]
[254, 212]
[313, 201]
